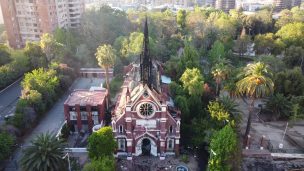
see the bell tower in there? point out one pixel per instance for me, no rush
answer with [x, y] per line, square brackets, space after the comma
[145, 59]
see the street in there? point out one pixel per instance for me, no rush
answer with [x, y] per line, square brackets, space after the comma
[8, 99]
[52, 120]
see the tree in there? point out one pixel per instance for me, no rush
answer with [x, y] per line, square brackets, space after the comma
[273, 62]
[101, 143]
[220, 72]
[289, 82]
[34, 99]
[297, 14]
[105, 56]
[106, 163]
[49, 46]
[223, 148]
[5, 56]
[257, 83]
[189, 59]
[217, 51]
[226, 26]
[6, 143]
[230, 84]
[193, 81]
[134, 46]
[263, 43]
[181, 18]
[43, 81]
[292, 34]
[285, 18]
[182, 104]
[176, 89]
[201, 130]
[279, 105]
[217, 111]
[93, 32]
[34, 52]
[294, 57]
[231, 107]
[66, 38]
[45, 153]
[82, 52]
[278, 47]
[289, 16]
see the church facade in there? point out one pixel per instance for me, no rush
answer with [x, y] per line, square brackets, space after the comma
[145, 121]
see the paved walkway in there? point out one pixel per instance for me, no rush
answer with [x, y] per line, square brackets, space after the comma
[273, 131]
[150, 163]
[52, 120]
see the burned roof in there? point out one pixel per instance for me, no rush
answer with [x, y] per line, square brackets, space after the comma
[86, 97]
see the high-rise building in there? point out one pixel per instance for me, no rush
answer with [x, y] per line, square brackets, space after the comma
[225, 5]
[210, 3]
[293, 3]
[27, 20]
[286, 4]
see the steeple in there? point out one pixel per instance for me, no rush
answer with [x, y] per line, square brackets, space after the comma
[145, 59]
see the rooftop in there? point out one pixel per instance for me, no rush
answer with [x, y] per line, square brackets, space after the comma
[86, 97]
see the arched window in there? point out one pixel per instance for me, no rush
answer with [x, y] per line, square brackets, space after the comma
[120, 129]
[170, 144]
[171, 129]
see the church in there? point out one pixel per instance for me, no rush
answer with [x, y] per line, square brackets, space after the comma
[144, 120]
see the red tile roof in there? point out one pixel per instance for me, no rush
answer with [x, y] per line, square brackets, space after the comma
[86, 97]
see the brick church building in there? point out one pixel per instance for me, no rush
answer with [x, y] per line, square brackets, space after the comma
[145, 121]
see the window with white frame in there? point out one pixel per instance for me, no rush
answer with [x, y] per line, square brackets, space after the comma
[84, 115]
[170, 145]
[73, 115]
[95, 117]
[122, 144]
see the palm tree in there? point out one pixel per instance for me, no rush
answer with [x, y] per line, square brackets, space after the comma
[45, 154]
[257, 83]
[105, 56]
[220, 72]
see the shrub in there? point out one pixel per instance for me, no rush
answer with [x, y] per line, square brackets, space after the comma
[6, 143]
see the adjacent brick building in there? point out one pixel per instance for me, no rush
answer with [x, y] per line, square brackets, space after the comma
[85, 108]
[27, 20]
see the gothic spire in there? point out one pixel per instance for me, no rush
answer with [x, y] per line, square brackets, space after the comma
[145, 59]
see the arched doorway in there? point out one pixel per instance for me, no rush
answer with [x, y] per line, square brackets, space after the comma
[146, 142]
[146, 146]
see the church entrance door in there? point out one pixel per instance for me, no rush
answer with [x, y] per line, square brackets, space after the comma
[146, 146]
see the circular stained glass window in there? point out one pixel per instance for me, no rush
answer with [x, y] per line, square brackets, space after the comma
[146, 109]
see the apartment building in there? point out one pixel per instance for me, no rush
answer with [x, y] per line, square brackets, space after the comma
[225, 5]
[286, 4]
[27, 20]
